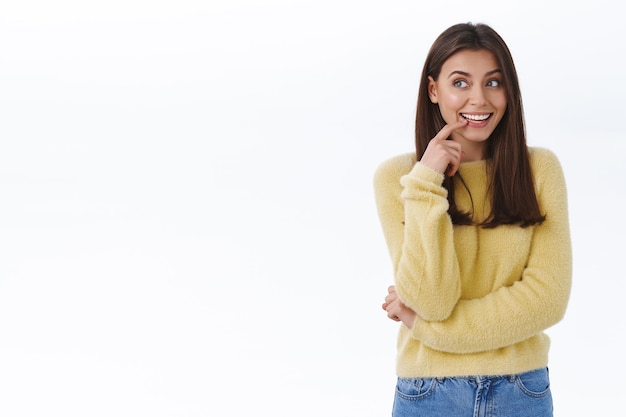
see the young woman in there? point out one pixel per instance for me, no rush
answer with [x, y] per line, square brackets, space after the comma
[477, 228]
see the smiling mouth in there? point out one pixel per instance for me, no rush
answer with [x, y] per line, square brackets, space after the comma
[476, 117]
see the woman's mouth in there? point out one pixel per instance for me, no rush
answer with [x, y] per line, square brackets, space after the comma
[477, 120]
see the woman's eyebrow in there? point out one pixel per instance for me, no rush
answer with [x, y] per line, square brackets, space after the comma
[467, 74]
[463, 73]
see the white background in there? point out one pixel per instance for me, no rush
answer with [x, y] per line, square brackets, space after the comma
[187, 224]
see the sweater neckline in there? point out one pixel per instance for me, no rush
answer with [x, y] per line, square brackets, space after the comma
[473, 165]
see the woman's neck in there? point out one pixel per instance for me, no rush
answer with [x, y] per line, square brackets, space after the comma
[473, 151]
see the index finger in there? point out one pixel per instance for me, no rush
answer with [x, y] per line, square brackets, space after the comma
[447, 130]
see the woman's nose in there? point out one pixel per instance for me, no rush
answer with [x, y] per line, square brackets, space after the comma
[477, 96]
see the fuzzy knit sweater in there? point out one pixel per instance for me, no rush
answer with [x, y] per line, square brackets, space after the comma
[483, 296]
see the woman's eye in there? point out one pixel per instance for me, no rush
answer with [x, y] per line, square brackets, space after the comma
[460, 83]
[493, 83]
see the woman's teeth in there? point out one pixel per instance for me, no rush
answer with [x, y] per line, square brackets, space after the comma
[476, 117]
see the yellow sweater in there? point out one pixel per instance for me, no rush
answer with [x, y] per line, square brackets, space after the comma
[485, 295]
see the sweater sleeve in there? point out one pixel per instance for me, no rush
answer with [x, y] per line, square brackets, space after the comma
[533, 303]
[413, 210]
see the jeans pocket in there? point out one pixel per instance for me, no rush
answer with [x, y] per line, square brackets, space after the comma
[534, 383]
[415, 388]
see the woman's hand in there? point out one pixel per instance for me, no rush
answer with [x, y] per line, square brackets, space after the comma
[396, 310]
[442, 155]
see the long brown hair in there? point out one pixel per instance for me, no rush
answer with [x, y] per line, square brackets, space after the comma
[510, 178]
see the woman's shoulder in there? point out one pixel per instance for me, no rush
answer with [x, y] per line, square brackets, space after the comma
[391, 169]
[543, 159]
[547, 171]
[540, 153]
[387, 176]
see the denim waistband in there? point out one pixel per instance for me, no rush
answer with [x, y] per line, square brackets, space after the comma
[484, 378]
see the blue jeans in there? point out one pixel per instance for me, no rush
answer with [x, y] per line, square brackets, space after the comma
[522, 395]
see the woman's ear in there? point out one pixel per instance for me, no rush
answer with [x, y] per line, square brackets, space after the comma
[432, 90]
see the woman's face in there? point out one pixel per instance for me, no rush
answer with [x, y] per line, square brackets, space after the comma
[470, 87]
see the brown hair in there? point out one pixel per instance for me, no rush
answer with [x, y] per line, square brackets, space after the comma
[511, 183]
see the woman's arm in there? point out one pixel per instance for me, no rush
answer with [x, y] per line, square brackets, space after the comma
[413, 212]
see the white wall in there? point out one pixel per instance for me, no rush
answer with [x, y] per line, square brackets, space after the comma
[187, 225]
